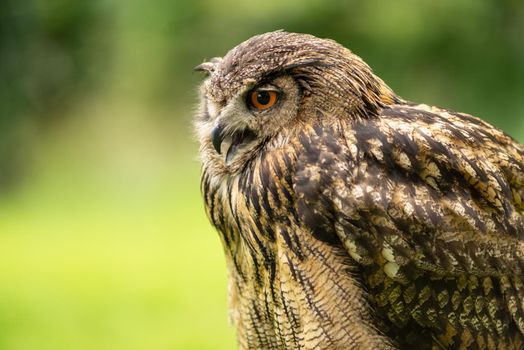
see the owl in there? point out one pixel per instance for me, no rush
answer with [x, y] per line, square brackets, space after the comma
[351, 218]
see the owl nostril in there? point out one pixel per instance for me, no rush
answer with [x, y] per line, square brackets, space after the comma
[217, 136]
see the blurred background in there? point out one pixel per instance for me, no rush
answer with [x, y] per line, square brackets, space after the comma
[103, 239]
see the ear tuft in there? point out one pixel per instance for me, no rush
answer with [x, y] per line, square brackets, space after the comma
[208, 67]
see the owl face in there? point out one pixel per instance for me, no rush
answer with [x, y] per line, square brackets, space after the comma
[234, 128]
[263, 90]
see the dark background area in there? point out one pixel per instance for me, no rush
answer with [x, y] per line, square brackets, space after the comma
[103, 240]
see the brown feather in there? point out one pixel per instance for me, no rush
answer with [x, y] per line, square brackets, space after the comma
[356, 220]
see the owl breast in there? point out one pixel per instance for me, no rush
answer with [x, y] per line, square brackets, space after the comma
[291, 287]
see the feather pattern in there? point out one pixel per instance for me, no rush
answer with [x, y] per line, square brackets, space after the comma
[358, 220]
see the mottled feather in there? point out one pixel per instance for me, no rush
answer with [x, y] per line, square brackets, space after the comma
[352, 219]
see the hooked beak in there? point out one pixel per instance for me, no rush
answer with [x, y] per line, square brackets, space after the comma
[231, 144]
[217, 136]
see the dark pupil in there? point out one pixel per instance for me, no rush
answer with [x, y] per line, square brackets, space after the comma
[263, 97]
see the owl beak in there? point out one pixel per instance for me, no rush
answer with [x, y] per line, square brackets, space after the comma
[217, 136]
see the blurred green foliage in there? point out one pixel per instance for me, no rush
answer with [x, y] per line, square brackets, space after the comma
[103, 240]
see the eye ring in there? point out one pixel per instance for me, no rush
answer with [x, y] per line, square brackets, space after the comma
[260, 99]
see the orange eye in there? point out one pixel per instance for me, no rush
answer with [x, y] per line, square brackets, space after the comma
[262, 99]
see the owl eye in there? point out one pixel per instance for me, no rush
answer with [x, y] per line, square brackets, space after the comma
[262, 99]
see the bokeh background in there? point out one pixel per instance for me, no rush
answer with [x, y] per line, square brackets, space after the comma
[103, 239]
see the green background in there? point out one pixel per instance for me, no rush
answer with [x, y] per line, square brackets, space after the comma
[103, 239]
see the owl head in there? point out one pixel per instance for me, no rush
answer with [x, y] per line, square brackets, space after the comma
[270, 86]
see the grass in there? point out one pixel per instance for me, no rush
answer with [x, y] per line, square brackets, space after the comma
[94, 256]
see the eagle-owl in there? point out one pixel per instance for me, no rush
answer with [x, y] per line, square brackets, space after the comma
[354, 219]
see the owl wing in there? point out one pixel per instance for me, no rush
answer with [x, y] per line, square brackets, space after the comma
[428, 203]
